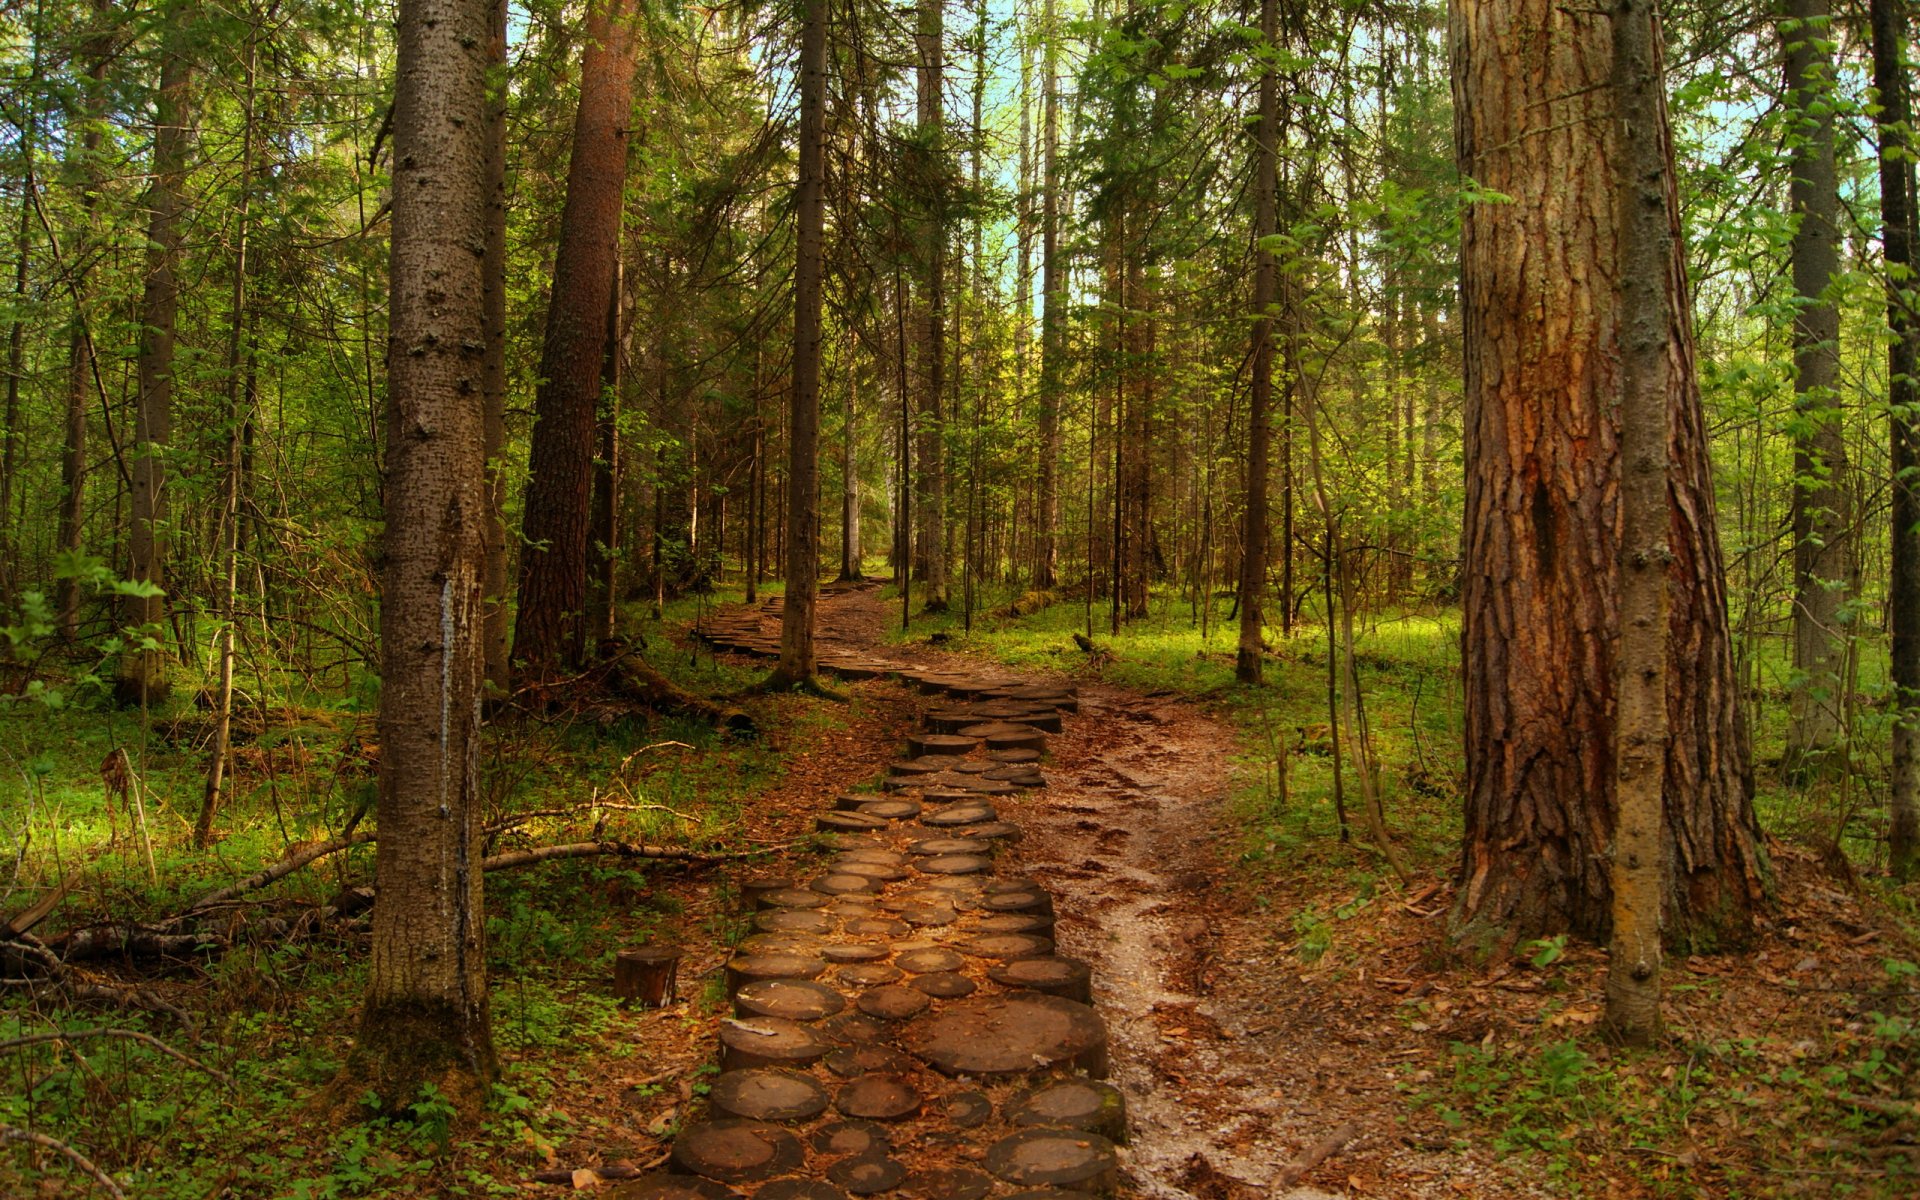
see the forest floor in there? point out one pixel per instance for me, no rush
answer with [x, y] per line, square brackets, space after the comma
[1269, 987]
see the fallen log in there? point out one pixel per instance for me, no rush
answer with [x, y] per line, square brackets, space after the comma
[633, 677]
[539, 854]
[9, 1133]
[131, 1035]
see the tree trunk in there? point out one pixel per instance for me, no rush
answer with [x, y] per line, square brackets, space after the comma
[1542, 315]
[549, 633]
[1822, 517]
[604, 549]
[796, 665]
[493, 376]
[1640, 666]
[16, 347]
[142, 676]
[850, 476]
[1253, 556]
[425, 1019]
[930, 553]
[1053, 305]
[1889, 21]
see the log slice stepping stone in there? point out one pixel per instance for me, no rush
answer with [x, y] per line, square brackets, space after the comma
[878, 1097]
[848, 822]
[1073, 1104]
[1031, 739]
[768, 1095]
[950, 720]
[768, 1042]
[866, 975]
[856, 1029]
[672, 1187]
[857, 952]
[956, 815]
[944, 795]
[735, 1150]
[793, 897]
[1064, 1157]
[788, 999]
[1005, 946]
[840, 884]
[871, 854]
[922, 962]
[973, 766]
[992, 787]
[1014, 1034]
[891, 1002]
[799, 1189]
[950, 1183]
[877, 927]
[949, 845]
[860, 1060]
[1018, 775]
[868, 1174]
[1014, 758]
[804, 944]
[988, 729]
[891, 810]
[954, 864]
[995, 829]
[926, 764]
[940, 743]
[944, 985]
[929, 916]
[1013, 923]
[743, 969]
[794, 920]
[852, 801]
[1020, 900]
[968, 1110]
[1054, 975]
[850, 1137]
[884, 872]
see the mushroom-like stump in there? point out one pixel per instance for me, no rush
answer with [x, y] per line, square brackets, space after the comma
[878, 1097]
[1073, 1104]
[769, 1042]
[1016, 1034]
[788, 999]
[768, 1095]
[1052, 975]
[734, 1150]
[744, 969]
[646, 975]
[1055, 1157]
[939, 743]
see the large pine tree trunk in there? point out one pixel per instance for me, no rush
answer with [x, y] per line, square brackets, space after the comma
[1889, 22]
[1253, 538]
[493, 374]
[425, 1018]
[549, 632]
[930, 552]
[142, 678]
[796, 665]
[1540, 298]
[1053, 315]
[1822, 517]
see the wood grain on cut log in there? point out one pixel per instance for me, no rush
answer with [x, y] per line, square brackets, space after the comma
[734, 1150]
[840, 883]
[1020, 900]
[891, 810]
[1082, 1104]
[868, 1174]
[647, 975]
[793, 897]
[849, 1061]
[743, 969]
[953, 864]
[769, 1042]
[1005, 946]
[847, 822]
[850, 1137]
[794, 920]
[1014, 1034]
[891, 1002]
[878, 1097]
[967, 1110]
[955, 816]
[922, 962]
[1041, 923]
[944, 985]
[789, 999]
[853, 952]
[949, 1183]
[1026, 740]
[940, 743]
[754, 886]
[798, 1189]
[762, 1094]
[883, 872]
[1014, 758]
[866, 975]
[1055, 1157]
[1050, 974]
[949, 845]
[673, 1187]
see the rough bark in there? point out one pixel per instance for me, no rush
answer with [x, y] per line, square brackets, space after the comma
[1889, 22]
[1822, 516]
[425, 1018]
[1253, 538]
[493, 376]
[1640, 666]
[1053, 304]
[796, 665]
[142, 671]
[549, 633]
[930, 349]
[1541, 305]
[604, 544]
[850, 477]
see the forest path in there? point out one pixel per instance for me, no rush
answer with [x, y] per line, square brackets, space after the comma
[1233, 1068]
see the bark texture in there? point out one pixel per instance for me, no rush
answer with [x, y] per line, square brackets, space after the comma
[1822, 515]
[930, 367]
[549, 633]
[1542, 309]
[1253, 557]
[1053, 316]
[493, 378]
[425, 1019]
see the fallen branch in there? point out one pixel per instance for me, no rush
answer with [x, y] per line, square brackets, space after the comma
[25, 922]
[635, 678]
[293, 862]
[518, 819]
[8, 1133]
[540, 854]
[1316, 1154]
[132, 1035]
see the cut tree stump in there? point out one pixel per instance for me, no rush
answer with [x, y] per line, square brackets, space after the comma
[755, 886]
[847, 822]
[848, 1061]
[840, 883]
[878, 1097]
[853, 952]
[956, 815]
[940, 743]
[1066, 1158]
[794, 920]
[647, 974]
[735, 1150]
[944, 985]
[953, 864]
[788, 999]
[866, 975]
[1082, 1104]
[949, 845]
[1016, 1034]
[743, 969]
[891, 810]
[673, 1187]
[760, 1094]
[1031, 739]
[891, 1002]
[768, 1042]
[1014, 758]
[1051, 974]
[924, 962]
[791, 897]
[868, 1174]
[851, 1137]
[950, 1183]
[968, 1110]
[1005, 946]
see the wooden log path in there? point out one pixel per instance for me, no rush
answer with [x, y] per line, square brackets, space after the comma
[901, 1025]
